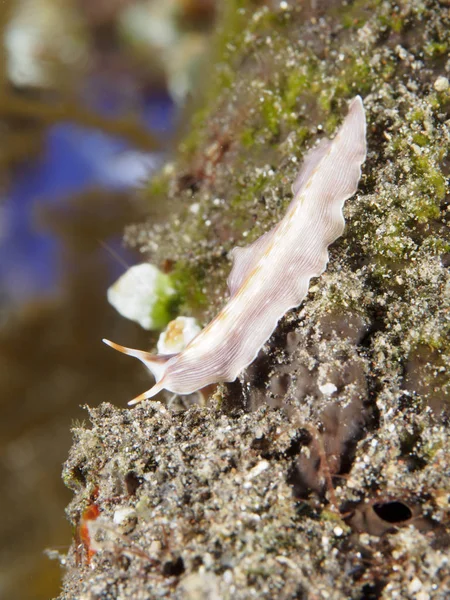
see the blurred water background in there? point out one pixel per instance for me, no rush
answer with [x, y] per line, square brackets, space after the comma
[91, 98]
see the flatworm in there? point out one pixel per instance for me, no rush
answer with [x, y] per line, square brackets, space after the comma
[271, 276]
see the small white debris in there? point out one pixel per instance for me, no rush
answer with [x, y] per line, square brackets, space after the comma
[259, 433]
[169, 168]
[258, 469]
[194, 208]
[284, 5]
[401, 52]
[143, 294]
[338, 531]
[228, 576]
[155, 548]
[125, 519]
[441, 84]
[328, 389]
[364, 538]
[284, 560]
[414, 585]
[177, 335]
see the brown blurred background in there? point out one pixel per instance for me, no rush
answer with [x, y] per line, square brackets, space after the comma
[91, 94]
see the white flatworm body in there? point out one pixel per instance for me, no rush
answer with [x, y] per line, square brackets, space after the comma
[272, 275]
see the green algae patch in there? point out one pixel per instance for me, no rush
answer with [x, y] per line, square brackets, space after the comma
[435, 180]
[165, 308]
[158, 186]
[435, 49]
[189, 281]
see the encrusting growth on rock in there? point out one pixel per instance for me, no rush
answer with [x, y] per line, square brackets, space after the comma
[234, 499]
[272, 275]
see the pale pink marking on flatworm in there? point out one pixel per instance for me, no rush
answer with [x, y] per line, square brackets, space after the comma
[272, 275]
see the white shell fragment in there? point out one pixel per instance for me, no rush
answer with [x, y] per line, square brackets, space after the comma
[328, 389]
[177, 335]
[143, 294]
[441, 84]
[125, 518]
[272, 275]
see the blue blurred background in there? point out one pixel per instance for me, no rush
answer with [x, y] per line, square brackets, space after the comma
[73, 160]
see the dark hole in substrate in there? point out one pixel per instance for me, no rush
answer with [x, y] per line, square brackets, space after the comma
[301, 438]
[132, 482]
[300, 593]
[372, 591]
[408, 444]
[263, 445]
[377, 324]
[124, 562]
[150, 465]
[189, 181]
[174, 568]
[305, 481]
[393, 512]
[78, 475]
[234, 398]
[349, 452]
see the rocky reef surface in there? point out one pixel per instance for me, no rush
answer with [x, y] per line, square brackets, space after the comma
[322, 472]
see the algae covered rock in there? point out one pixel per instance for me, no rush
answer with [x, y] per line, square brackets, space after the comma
[320, 472]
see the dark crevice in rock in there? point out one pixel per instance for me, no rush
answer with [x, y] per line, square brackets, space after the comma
[372, 591]
[393, 512]
[132, 482]
[381, 516]
[173, 568]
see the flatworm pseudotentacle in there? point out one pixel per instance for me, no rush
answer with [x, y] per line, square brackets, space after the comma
[272, 275]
